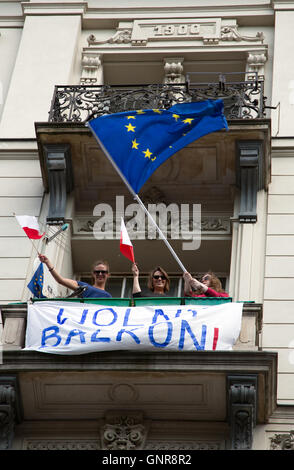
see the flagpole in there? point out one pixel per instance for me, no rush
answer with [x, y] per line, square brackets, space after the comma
[161, 234]
[137, 198]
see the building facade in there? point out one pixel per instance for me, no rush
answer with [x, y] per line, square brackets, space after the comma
[63, 62]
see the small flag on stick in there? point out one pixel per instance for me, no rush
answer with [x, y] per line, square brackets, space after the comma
[36, 283]
[30, 226]
[126, 246]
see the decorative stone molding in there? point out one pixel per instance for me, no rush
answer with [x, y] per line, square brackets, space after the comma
[9, 410]
[123, 431]
[282, 441]
[208, 30]
[186, 445]
[242, 404]
[250, 178]
[210, 225]
[173, 70]
[231, 33]
[122, 36]
[60, 180]
[91, 69]
[255, 64]
[92, 444]
[14, 333]
[60, 444]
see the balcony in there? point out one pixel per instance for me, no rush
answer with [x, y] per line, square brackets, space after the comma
[79, 103]
[221, 160]
[179, 391]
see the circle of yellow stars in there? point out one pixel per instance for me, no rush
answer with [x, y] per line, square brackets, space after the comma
[132, 128]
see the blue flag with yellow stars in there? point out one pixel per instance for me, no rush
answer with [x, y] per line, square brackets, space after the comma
[36, 283]
[139, 141]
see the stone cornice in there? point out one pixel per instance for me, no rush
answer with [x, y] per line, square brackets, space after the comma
[54, 8]
[222, 361]
[108, 16]
[285, 5]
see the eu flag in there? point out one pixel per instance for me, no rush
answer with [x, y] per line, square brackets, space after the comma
[36, 283]
[139, 141]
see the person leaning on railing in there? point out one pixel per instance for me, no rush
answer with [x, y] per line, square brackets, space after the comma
[158, 283]
[100, 274]
[208, 286]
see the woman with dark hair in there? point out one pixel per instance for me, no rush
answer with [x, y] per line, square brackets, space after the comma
[208, 286]
[100, 274]
[158, 283]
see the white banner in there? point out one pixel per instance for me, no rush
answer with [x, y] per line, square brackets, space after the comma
[76, 328]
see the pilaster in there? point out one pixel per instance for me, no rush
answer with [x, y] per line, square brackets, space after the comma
[46, 56]
[283, 69]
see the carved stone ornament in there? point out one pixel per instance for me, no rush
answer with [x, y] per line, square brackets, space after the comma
[242, 402]
[60, 180]
[120, 37]
[209, 31]
[255, 61]
[186, 445]
[91, 64]
[231, 33]
[7, 415]
[282, 441]
[250, 178]
[60, 444]
[210, 225]
[173, 70]
[123, 431]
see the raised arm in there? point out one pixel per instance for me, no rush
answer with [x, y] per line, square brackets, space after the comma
[192, 284]
[187, 279]
[70, 283]
[136, 285]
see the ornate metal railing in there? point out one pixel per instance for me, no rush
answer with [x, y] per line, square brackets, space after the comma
[79, 103]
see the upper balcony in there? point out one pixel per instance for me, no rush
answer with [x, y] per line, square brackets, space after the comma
[212, 171]
[79, 103]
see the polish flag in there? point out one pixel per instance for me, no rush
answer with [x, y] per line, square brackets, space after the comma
[126, 246]
[30, 225]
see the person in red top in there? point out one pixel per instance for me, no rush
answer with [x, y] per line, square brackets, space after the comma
[209, 286]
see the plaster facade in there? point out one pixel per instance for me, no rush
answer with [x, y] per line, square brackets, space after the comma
[46, 43]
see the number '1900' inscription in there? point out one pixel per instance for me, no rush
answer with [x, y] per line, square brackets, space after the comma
[176, 30]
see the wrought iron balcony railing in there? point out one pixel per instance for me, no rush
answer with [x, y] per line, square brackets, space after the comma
[79, 103]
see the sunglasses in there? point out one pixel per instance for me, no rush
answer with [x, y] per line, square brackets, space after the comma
[100, 271]
[159, 277]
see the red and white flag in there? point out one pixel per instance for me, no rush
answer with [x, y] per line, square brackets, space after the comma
[126, 246]
[30, 225]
